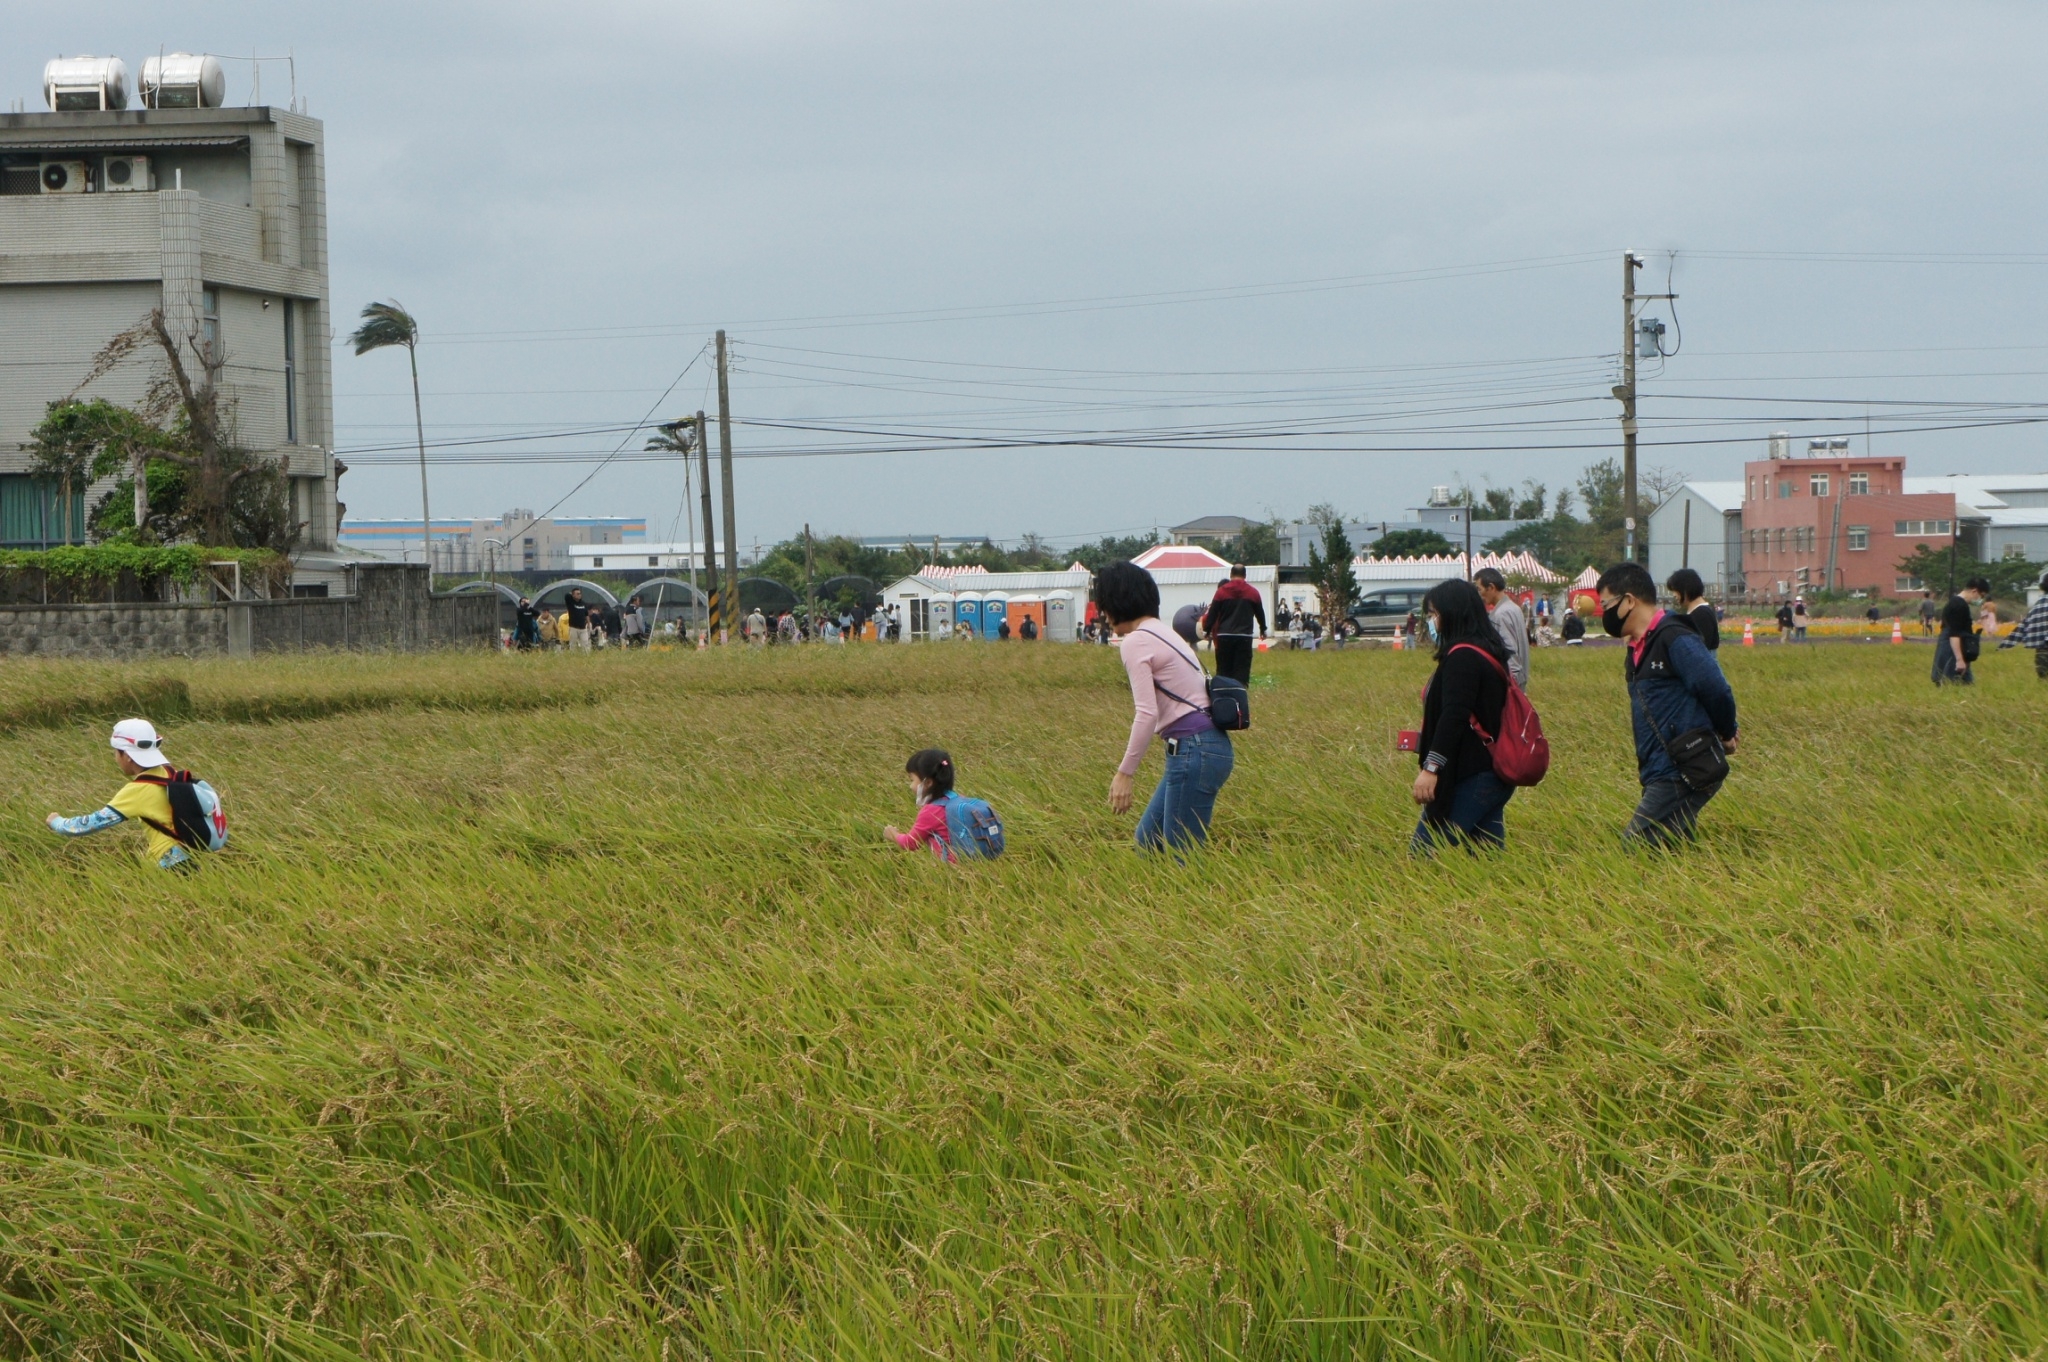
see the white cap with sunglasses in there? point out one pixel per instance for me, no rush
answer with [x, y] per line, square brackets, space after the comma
[138, 740]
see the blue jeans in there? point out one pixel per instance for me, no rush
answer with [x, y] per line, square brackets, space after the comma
[1668, 814]
[1185, 798]
[1477, 817]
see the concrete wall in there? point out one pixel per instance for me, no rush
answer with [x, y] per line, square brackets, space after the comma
[390, 608]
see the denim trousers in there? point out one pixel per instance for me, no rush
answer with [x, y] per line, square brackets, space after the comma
[1945, 665]
[1477, 817]
[1668, 814]
[1185, 799]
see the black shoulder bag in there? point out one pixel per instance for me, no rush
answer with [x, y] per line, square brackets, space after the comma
[1230, 704]
[1697, 753]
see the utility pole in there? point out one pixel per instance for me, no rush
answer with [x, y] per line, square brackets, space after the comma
[689, 520]
[1468, 534]
[1625, 393]
[732, 542]
[714, 598]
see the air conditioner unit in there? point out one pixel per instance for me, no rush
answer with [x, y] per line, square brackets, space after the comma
[63, 177]
[123, 174]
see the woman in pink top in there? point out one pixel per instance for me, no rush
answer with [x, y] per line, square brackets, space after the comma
[1168, 695]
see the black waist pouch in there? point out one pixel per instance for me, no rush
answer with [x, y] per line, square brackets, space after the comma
[1697, 753]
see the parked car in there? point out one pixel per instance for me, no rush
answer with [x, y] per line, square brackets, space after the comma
[1382, 611]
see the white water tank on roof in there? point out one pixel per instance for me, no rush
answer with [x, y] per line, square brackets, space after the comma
[80, 83]
[181, 80]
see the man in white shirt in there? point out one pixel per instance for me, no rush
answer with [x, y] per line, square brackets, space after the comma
[1507, 621]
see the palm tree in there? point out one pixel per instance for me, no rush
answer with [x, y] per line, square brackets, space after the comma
[680, 437]
[387, 324]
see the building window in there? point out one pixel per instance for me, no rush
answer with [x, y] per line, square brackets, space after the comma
[654, 562]
[1859, 484]
[1784, 490]
[1859, 538]
[1908, 584]
[291, 374]
[209, 322]
[1921, 528]
[1779, 545]
[1817, 483]
[597, 562]
[2018, 551]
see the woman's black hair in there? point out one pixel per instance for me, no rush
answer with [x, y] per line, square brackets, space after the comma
[1124, 591]
[1686, 584]
[934, 768]
[1461, 618]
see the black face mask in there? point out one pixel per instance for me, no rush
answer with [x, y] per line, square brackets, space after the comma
[1610, 619]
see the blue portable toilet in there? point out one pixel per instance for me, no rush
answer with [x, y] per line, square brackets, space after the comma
[938, 615]
[995, 608]
[967, 611]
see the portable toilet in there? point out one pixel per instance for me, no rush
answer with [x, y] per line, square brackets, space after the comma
[1027, 608]
[938, 616]
[995, 608]
[1059, 616]
[967, 611]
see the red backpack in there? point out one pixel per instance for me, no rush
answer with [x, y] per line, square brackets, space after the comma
[1521, 754]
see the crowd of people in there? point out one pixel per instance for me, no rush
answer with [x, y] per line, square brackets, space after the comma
[1477, 725]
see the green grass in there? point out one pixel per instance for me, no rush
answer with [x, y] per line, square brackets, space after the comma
[573, 1007]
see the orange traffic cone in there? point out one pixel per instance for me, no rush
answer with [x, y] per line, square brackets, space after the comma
[1748, 634]
[1898, 634]
[1399, 643]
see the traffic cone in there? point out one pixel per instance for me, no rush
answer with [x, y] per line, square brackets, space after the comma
[1748, 634]
[1399, 643]
[1898, 634]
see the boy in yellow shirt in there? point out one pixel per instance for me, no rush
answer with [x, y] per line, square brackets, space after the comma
[138, 750]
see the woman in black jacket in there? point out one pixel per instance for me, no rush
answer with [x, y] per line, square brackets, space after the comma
[1685, 584]
[1462, 800]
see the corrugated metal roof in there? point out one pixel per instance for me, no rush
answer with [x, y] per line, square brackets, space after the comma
[994, 581]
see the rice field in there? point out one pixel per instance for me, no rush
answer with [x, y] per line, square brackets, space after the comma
[573, 1007]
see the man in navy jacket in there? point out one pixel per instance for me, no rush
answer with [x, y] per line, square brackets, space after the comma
[1674, 687]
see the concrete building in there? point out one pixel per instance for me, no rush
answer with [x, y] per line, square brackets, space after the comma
[1439, 515]
[2002, 515]
[514, 541]
[216, 216]
[1699, 526]
[1208, 529]
[1838, 522]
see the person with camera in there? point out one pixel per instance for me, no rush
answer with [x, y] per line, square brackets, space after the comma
[1955, 652]
[1463, 801]
[1680, 705]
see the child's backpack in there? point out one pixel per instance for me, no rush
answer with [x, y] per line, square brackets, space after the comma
[1520, 752]
[973, 828]
[197, 820]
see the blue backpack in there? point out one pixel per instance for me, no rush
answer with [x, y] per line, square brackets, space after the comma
[973, 828]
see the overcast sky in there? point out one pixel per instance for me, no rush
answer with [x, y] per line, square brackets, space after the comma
[1070, 210]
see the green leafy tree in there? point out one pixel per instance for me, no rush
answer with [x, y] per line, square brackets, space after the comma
[78, 443]
[1260, 543]
[1411, 544]
[1330, 572]
[231, 497]
[1109, 550]
[2009, 577]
